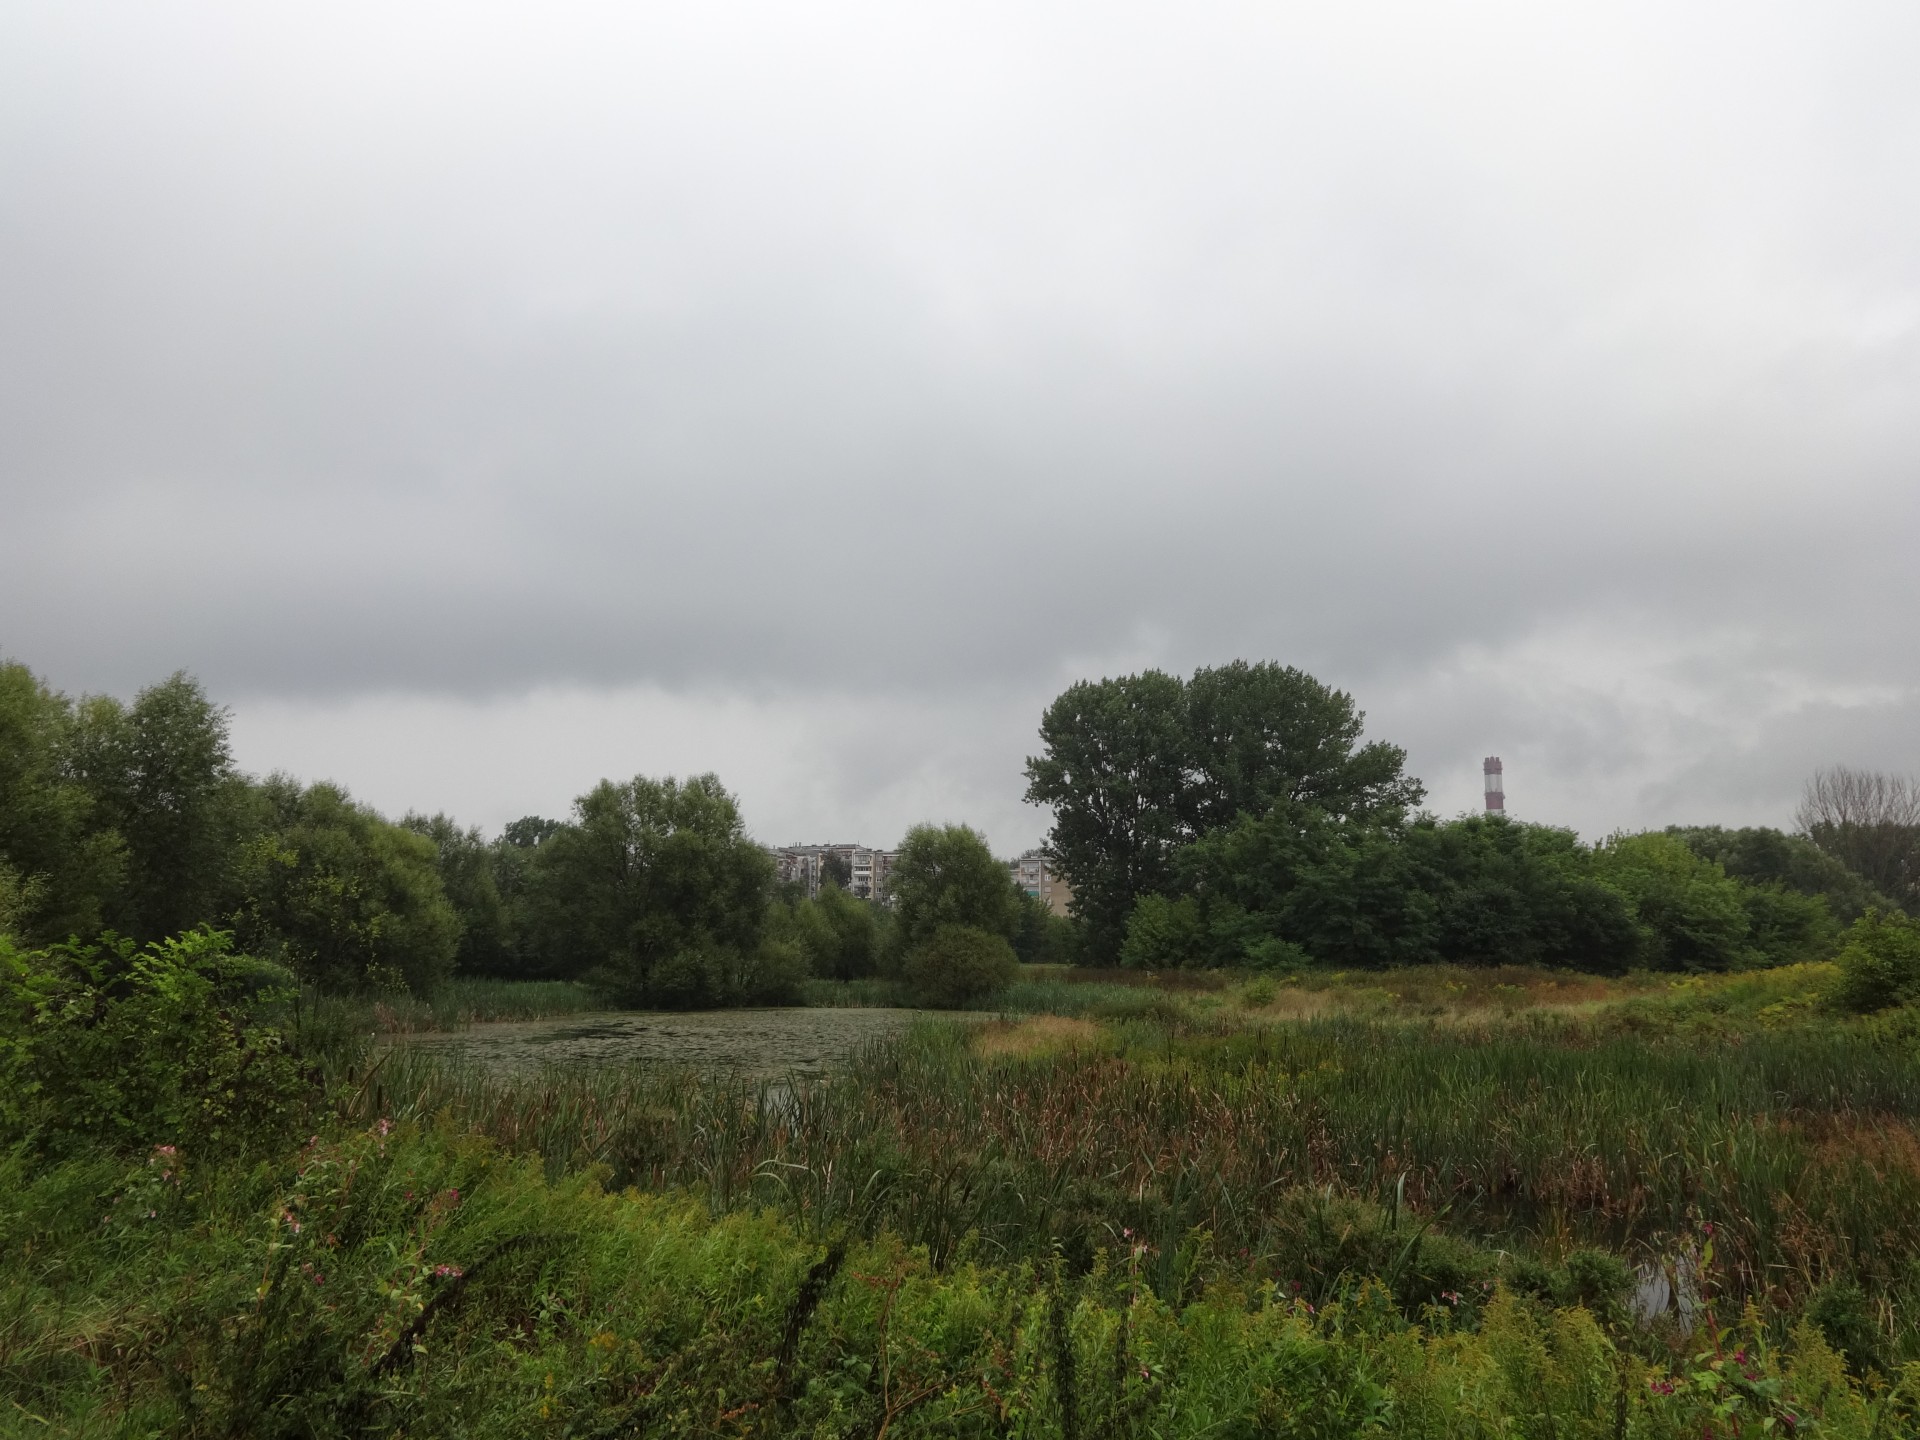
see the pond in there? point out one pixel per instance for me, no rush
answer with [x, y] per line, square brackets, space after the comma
[756, 1042]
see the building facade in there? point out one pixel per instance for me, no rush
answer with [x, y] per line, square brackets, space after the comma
[806, 865]
[1033, 872]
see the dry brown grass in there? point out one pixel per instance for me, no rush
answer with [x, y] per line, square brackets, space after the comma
[1884, 1144]
[1040, 1035]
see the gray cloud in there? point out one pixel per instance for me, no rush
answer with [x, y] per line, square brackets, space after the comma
[1546, 379]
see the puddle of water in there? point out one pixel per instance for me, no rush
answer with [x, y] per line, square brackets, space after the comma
[756, 1042]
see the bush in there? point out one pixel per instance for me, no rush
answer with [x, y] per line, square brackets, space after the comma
[1845, 1316]
[1164, 934]
[957, 967]
[1880, 963]
[172, 1044]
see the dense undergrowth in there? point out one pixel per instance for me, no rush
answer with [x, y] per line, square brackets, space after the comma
[411, 1280]
[1428, 1203]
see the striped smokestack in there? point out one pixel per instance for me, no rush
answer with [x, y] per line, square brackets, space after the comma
[1496, 793]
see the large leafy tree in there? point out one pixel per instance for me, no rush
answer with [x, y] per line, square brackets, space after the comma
[57, 869]
[161, 776]
[945, 875]
[655, 893]
[1113, 766]
[1261, 734]
[468, 868]
[1140, 767]
[344, 898]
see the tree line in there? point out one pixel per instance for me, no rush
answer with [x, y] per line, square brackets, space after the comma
[132, 820]
[1237, 818]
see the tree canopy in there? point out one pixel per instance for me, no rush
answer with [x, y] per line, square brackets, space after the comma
[1140, 767]
[946, 875]
[655, 895]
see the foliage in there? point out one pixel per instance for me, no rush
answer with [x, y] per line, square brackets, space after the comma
[1692, 916]
[655, 896]
[945, 875]
[161, 777]
[57, 870]
[1768, 858]
[343, 898]
[1870, 822]
[1165, 934]
[1041, 937]
[174, 1043]
[841, 936]
[1515, 894]
[468, 868]
[402, 1279]
[1138, 767]
[1274, 890]
[1879, 963]
[956, 966]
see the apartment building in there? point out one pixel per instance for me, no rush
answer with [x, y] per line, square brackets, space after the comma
[806, 865]
[1033, 872]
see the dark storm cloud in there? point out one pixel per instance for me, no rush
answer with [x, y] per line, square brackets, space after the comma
[1546, 377]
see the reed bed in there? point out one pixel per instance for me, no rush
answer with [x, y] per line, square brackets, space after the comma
[1793, 1151]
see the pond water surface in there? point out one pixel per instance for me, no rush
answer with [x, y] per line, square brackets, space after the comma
[756, 1042]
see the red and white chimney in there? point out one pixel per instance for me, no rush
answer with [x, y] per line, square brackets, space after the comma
[1496, 793]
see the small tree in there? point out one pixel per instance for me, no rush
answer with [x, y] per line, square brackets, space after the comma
[839, 933]
[1137, 768]
[957, 966]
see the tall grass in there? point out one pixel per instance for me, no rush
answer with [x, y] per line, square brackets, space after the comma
[1796, 1147]
[407, 1280]
[329, 1023]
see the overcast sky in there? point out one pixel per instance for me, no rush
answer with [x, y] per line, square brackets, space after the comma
[482, 399]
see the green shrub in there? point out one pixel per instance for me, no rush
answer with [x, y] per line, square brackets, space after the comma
[1845, 1316]
[957, 967]
[1880, 963]
[706, 977]
[172, 1044]
[1164, 934]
